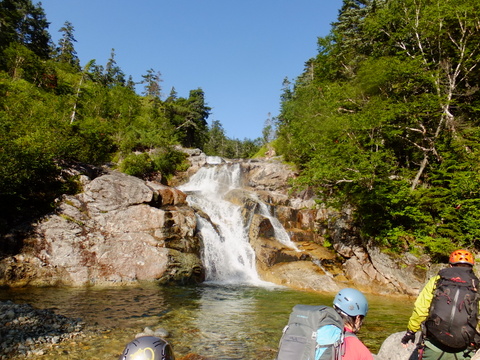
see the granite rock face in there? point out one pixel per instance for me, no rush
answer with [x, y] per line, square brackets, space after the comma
[345, 259]
[119, 230]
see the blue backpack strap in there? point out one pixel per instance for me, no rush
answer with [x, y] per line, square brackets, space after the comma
[328, 336]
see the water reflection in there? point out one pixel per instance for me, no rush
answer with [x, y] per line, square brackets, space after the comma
[221, 322]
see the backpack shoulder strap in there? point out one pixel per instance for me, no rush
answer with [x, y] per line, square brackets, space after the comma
[343, 346]
[350, 334]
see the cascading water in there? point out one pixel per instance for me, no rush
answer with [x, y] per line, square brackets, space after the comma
[280, 233]
[228, 256]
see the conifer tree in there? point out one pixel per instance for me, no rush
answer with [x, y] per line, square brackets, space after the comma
[113, 74]
[217, 141]
[26, 24]
[151, 81]
[66, 50]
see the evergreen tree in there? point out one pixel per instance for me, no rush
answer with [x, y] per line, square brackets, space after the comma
[268, 130]
[385, 118]
[130, 83]
[173, 96]
[215, 146]
[113, 74]
[65, 50]
[194, 128]
[151, 83]
[26, 24]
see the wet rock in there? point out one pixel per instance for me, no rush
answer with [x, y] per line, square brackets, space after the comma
[301, 275]
[160, 332]
[23, 329]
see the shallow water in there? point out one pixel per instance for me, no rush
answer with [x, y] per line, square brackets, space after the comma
[221, 322]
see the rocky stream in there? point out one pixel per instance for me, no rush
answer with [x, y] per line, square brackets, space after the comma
[121, 230]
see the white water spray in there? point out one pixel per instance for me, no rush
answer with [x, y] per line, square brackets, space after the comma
[228, 256]
[280, 233]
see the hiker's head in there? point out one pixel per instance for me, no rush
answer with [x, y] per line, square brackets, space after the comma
[352, 302]
[147, 347]
[352, 305]
[461, 258]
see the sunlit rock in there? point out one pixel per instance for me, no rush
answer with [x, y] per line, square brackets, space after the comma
[112, 235]
[301, 275]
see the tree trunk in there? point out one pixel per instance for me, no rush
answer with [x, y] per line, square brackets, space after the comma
[423, 165]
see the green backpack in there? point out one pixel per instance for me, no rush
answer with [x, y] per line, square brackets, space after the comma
[312, 333]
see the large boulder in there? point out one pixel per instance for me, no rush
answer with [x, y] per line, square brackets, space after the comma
[119, 230]
[267, 175]
[393, 349]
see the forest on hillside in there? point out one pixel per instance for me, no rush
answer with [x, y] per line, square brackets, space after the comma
[56, 114]
[386, 118]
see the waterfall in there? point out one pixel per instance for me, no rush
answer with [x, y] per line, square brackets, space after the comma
[227, 256]
[280, 233]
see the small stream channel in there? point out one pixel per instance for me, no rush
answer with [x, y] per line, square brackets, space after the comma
[220, 322]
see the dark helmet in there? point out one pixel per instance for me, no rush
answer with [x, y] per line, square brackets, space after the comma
[352, 302]
[148, 348]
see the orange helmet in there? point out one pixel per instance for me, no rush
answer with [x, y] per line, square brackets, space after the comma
[461, 257]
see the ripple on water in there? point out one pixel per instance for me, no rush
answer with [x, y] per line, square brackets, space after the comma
[221, 322]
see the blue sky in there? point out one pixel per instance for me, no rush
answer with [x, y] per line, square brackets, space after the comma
[238, 52]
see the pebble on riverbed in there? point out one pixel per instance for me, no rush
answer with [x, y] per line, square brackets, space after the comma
[23, 329]
[160, 332]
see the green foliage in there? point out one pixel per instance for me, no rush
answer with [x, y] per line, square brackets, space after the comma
[29, 180]
[139, 165]
[91, 143]
[189, 117]
[386, 121]
[261, 152]
[53, 114]
[23, 23]
[166, 161]
[218, 144]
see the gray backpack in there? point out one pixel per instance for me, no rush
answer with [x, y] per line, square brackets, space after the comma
[312, 333]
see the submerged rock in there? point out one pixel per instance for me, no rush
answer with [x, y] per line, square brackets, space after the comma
[24, 329]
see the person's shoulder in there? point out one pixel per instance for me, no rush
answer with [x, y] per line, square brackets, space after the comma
[354, 346]
[432, 281]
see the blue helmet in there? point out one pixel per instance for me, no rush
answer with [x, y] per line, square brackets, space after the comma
[352, 302]
[148, 348]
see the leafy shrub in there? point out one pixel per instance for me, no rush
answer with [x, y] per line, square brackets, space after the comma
[168, 161]
[139, 165]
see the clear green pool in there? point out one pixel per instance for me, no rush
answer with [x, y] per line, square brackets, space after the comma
[219, 322]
